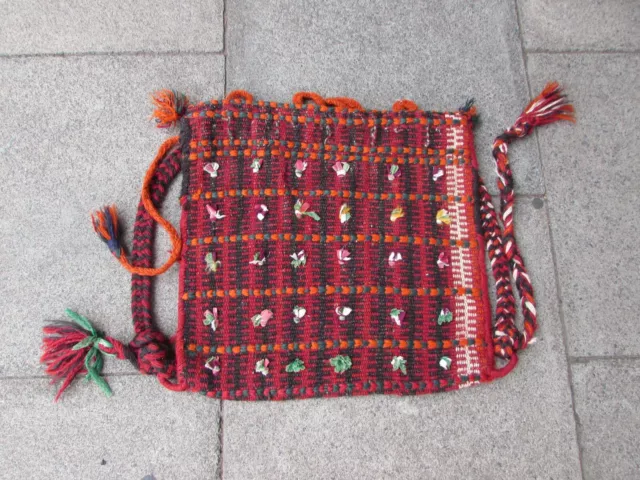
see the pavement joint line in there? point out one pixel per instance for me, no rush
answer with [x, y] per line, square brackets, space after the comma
[132, 53]
[543, 51]
[523, 54]
[580, 360]
[565, 339]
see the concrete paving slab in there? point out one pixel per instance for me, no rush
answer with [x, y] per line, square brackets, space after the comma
[592, 176]
[75, 136]
[521, 426]
[143, 431]
[578, 25]
[438, 54]
[77, 26]
[607, 394]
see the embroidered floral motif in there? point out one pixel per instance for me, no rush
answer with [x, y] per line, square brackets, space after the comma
[214, 213]
[397, 315]
[343, 312]
[394, 258]
[262, 366]
[298, 313]
[211, 318]
[443, 260]
[301, 209]
[296, 366]
[340, 363]
[213, 364]
[262, 318]
[445, 316]
[437, 173]
[399, 363]
[343, 256]
[445, 363]
[261, 211]
[397, 213]
[258, 259]
[213, 264]
[256, 164]
[442, 217]
[345, 213]
[341, 168]
[212, 169]
[299, 259]
[301, 166]
[393, 172]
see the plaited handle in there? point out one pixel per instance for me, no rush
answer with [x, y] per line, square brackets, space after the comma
[504, 255]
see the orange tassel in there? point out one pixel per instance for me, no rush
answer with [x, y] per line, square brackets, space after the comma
[170, 107]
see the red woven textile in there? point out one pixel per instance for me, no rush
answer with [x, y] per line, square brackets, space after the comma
[324, 250]
[427, 263]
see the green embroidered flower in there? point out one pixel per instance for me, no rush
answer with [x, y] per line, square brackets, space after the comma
[256, 164]
[399, 363]
[340, 363]
[262, 366]
[299, 259]
[213, 264]
[211, 318]
[397, 315]
[443, 218]
[445, 316]
[397, 213]
[296, 366]
[302, 208]
[445, 363]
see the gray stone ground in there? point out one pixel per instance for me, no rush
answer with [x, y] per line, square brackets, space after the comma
[75, 134]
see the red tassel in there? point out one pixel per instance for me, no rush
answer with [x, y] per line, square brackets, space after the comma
[75, 348]
[170, 107]
[548, 107]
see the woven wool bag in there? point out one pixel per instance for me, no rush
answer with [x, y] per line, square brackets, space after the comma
[324, 250]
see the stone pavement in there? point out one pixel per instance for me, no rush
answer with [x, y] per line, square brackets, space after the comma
[75, 134]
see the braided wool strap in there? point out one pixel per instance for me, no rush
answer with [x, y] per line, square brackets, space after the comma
[154, 352]
[504, 255]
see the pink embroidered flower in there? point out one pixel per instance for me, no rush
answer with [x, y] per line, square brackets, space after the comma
[301, 209]
[262, 366]
[443, 260]
[301, 166]
[214, 213]
[212, 169]
[261, 211]
[341, 168]
[213, 364]
[343, 256]
[262, 318]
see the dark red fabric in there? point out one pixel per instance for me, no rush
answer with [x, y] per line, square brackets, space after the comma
[421, 143]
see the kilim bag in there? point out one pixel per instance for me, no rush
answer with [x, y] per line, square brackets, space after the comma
[324, 250]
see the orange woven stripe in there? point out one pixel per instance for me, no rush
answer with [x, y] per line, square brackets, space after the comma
[356, 343]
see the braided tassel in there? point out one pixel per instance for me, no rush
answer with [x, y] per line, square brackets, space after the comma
[548, 107]
[76, 348]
